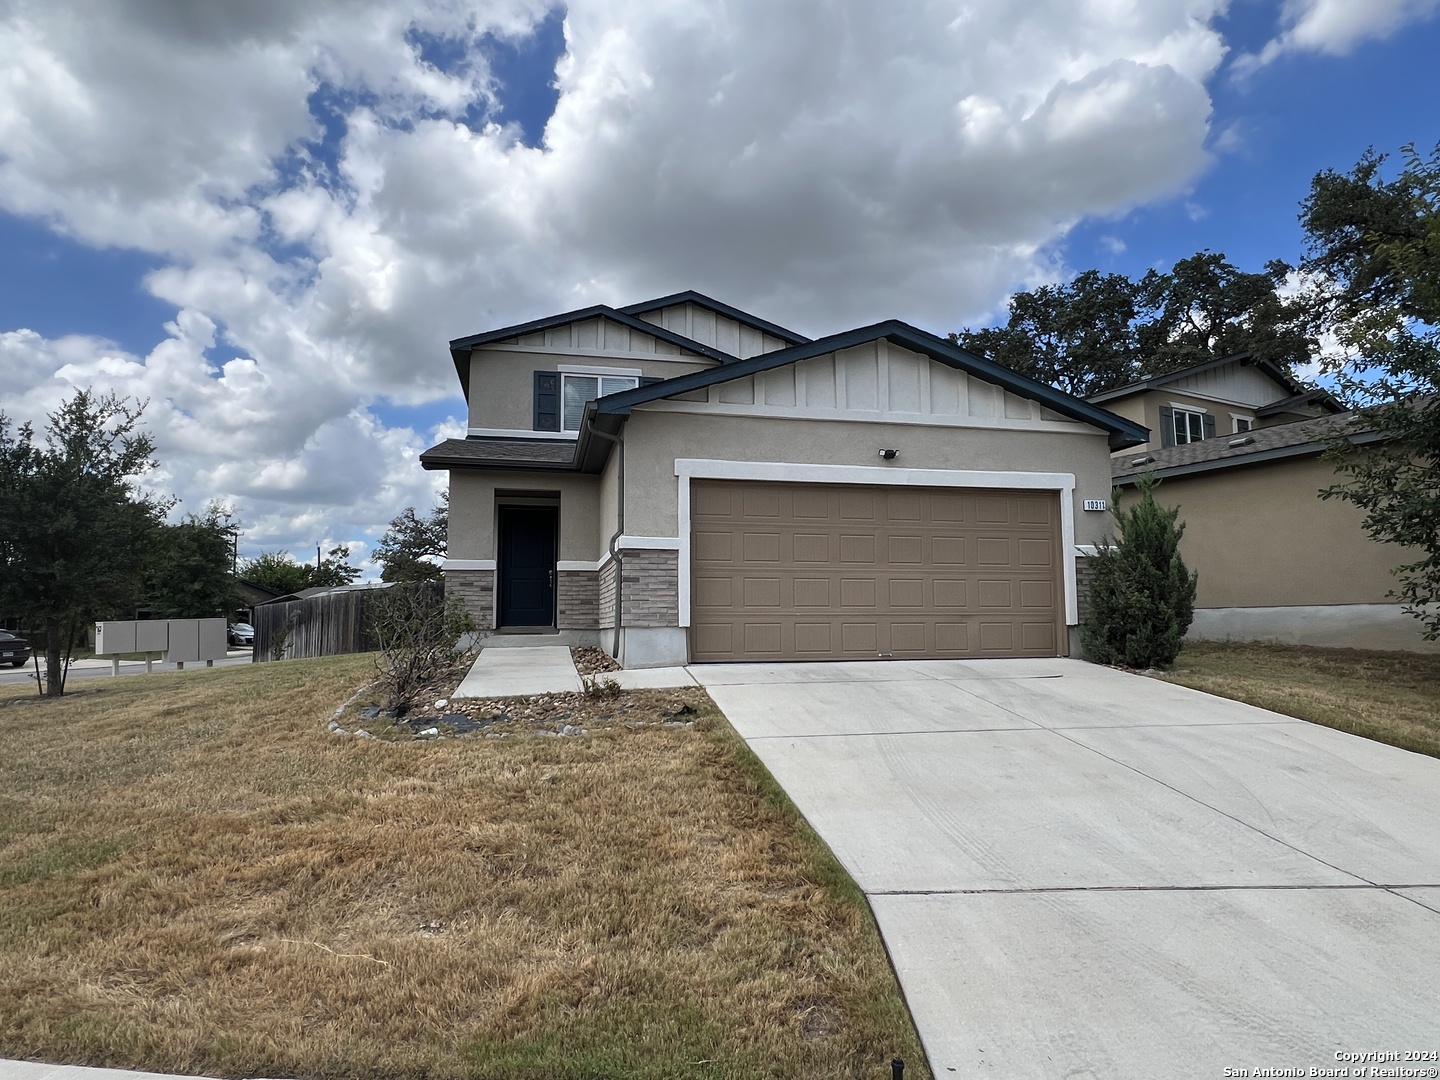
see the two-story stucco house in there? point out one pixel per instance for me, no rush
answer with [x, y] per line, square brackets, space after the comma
[1239, 446]
[680, 481]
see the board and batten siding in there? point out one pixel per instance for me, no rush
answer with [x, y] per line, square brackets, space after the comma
[873, 381]
[713, 329]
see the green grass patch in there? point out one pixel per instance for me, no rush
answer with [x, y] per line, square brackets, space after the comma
[1391, 697]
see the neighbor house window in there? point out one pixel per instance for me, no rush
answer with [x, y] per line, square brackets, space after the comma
[1189, 426]
[576, 390]
[1242, 423]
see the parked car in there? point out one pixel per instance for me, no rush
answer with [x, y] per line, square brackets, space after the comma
[242, 633]
[13, 650]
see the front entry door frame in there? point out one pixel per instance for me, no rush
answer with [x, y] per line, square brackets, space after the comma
[528, 541]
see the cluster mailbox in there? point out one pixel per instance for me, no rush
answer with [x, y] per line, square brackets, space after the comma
[181, 641]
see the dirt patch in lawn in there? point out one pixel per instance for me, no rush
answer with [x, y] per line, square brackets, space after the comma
[201, 878]
[1392, 697]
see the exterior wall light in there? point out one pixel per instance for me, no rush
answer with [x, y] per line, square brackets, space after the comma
[889, 455]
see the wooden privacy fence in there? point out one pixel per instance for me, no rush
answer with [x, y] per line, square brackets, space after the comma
[327, 624]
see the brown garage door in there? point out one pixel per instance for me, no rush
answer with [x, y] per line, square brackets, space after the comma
[824, 572]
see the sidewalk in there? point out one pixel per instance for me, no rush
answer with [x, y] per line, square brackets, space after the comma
[549, 669]
[35, 1070]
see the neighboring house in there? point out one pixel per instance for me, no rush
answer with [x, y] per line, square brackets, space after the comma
[1277, 562]
[1216, 399]
[680, 481]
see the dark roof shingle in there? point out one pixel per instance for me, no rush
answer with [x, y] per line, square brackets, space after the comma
[1282, 440]
[500, 454]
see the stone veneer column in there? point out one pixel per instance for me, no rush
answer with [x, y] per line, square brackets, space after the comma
[605, 617]
[476, 590]
[650, 588]
[577, 600]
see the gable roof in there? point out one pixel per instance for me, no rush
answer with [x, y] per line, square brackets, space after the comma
[609, 411]
[1300, 438]
[701, 300]
[1270, 368]
[460, 347]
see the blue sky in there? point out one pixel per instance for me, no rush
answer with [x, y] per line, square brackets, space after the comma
[268, 220]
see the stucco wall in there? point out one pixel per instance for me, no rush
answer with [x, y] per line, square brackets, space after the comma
[472, 511]
[654, 440]
[1260, 536]
[502, 382]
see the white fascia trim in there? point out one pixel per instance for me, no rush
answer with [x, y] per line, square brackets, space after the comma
[688, 469]
[521, 433]
[468, 564]
[595, 369]
[867, 416]
[1188, 408]
[1087, 550]
[546, 350]
[652, 543]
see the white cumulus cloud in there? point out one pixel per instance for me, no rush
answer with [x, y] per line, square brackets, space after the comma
[1335, 26]
[329, 208]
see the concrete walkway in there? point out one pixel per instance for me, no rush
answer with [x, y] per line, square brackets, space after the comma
[1082, 873]
[33, 1070]
[550, 669]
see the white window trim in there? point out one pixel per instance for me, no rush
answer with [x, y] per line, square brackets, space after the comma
[591, 369]
[688, 469]
[1235, 419]
[1195, 410]
[1189, 408]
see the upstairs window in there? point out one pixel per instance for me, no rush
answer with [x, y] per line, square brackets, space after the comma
[1242, 423]
[1179, 425]
[576, 390]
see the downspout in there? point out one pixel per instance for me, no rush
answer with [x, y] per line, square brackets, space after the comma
[615, 557]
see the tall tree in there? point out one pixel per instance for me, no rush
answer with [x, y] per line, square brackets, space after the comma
[1101, 331]
[1079, 336]
[410, 545]
[1206, 308]
[278, 571]
[190, 574]
[1374, 263]
[75, 527]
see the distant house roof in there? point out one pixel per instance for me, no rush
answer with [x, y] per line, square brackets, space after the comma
[1298, 439]
[326, 590]
[1275, 371]
[701, 300]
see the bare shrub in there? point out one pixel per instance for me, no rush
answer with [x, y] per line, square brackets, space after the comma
[418, 633]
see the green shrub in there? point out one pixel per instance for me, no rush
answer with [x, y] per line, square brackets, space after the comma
[1141, 597]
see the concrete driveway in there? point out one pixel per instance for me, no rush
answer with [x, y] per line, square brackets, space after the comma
[1082, 873]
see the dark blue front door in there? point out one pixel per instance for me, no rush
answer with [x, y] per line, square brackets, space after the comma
[527, 565]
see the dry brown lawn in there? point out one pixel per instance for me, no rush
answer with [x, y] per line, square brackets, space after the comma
[1393, 697]
[196, 877]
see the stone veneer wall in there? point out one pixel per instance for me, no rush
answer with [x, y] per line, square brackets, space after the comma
[476, 590]
[606, 590]
[577, 600]
[1084, 574]
[651, 588]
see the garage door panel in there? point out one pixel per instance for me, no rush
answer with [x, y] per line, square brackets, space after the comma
[1036, 552]
[993, 551]
[860, 637]
[814, 638]
[834, 571]
[812, 548]
[948, 551]
[813, 592]
[905, 550]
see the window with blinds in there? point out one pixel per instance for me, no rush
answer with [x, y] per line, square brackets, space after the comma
[578, 389]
